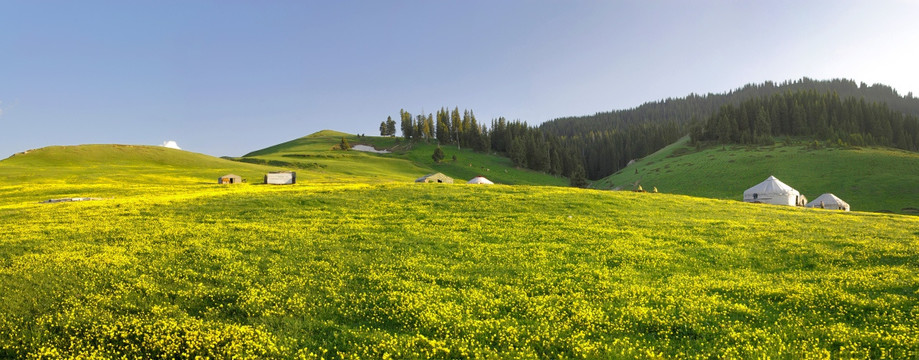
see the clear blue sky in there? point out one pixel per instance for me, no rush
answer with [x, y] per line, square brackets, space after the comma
[229, 77]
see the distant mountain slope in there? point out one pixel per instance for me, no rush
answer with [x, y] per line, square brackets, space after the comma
[607, 141]
[870, 179]
[682, 110]
[317, 154]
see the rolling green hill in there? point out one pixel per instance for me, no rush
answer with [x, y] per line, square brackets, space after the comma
[869, 179]
[108, 163]
[108, 170]
[407, 161]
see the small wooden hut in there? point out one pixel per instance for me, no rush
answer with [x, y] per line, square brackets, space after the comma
[435, 178]
[230, 179]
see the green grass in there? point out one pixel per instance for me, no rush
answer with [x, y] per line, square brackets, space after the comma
[172, 265]
[413, 271]
[408, 161]
[869, 179]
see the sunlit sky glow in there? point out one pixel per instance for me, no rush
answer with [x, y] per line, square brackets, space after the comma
[229, 77]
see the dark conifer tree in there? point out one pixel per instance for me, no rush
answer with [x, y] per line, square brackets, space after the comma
[443, 126]
[428, 127]
[518, 152]
[578, 178]
[456, 125]
[408, 126]
[438, 155]
[390, 126]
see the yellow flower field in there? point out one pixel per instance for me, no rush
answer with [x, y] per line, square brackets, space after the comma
[446, 271]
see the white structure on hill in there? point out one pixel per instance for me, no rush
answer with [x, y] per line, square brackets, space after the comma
[829, 201]
[479, 180]
[773, 191]
[281, 178]
[171, 144]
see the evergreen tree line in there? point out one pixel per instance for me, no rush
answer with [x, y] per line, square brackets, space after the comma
[593, 156]
[684, 110]
[602, 153]
[446, 128]
[527, 146]
[809, 113]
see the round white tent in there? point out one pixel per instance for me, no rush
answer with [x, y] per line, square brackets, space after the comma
[479, 180]
[829, 201]
[773, 191]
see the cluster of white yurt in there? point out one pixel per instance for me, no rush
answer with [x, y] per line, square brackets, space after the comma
[774, 191]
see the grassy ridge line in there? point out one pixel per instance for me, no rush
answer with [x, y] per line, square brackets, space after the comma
[302, 143]
[435, 270]
[869, 179]
[120, 164]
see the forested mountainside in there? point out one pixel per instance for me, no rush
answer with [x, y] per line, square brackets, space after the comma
[681, 110]
[598, 145]
[605, 142]
[811, 114]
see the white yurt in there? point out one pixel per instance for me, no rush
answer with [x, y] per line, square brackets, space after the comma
[479, 180]
[829, 201]
[773, 191]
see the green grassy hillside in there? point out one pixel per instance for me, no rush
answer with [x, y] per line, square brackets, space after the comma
[869, 179]
[414, 271]
[407, 161]
[125, 170]
[84, 164]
